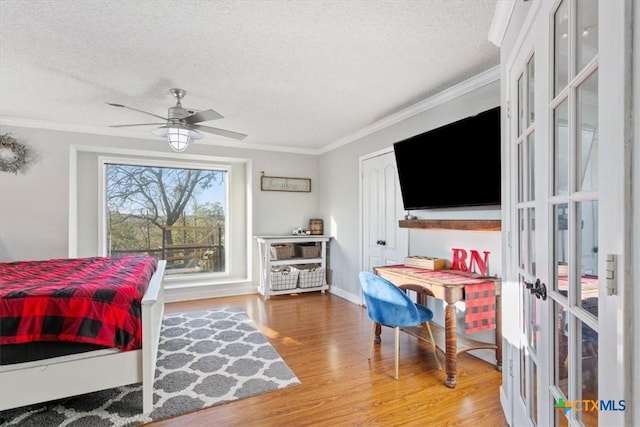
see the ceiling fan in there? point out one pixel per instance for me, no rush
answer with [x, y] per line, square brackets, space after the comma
[181, 124]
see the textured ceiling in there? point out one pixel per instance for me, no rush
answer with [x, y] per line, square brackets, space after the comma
[297, 74]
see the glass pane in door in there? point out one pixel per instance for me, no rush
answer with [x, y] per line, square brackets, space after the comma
[560, 419]
[587, 150]
[561, 349]
[531, 116]
[588, 372]
[587, 214]
[561, 149]
[531, 188]
[523, 374]
[521, 104]
[561, 248]
[521, 177]
[521, 239]
[561, 47]
[587, 36]
[534, 391]
[532, 240]
[533, 330]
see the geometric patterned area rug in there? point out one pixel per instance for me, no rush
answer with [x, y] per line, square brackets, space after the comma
[205, 358]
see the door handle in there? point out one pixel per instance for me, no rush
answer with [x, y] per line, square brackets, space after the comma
[537, 288]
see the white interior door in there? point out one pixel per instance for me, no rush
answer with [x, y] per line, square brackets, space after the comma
[572, 203]
[526, 361]
[384, 243]
[560, 372]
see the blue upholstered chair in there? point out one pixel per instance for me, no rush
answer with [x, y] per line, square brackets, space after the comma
[389, 306]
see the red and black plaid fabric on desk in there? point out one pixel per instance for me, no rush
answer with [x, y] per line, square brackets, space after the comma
[94, 300]
[480, 300]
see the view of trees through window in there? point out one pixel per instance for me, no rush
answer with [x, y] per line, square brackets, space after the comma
[174, 214]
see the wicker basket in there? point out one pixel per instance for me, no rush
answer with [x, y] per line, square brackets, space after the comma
[310, 276]
[284, 278]
[307, 251]
[281, 251]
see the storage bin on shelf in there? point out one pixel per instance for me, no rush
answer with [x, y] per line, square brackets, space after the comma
[283, 277]
[309, 250]
[284, 251]
[310, 275]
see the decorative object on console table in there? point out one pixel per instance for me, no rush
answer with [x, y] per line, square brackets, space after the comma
[428, 263]
[316, 225]
[282, 183]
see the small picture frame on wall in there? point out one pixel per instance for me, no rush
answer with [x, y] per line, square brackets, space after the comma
[282, 183]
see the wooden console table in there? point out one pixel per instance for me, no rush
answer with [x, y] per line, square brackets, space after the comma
[450, 291]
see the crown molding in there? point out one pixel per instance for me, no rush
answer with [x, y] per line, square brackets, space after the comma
[482, 79]
[97, 130]
[501, 18]
[479, 80]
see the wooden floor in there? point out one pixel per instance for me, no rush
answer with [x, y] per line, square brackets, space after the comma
[324, 340]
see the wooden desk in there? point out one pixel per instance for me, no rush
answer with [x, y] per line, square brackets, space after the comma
[449, 341]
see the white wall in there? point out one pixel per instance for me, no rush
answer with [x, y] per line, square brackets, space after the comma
[34, 205]
[339, 195]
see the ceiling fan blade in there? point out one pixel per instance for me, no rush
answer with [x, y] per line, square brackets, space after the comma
[221, 132]
[135, 109]
[138, 124]
[202, 116]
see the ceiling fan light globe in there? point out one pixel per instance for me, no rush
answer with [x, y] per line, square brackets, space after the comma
[179, 136]
[178, 141]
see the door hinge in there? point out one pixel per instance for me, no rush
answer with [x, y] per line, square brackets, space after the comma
[508, 104]
[611, 261]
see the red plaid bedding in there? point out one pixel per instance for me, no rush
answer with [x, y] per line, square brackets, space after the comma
[94, 300]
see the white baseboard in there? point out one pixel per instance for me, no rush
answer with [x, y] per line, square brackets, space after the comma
[191, 293]
[356, 299]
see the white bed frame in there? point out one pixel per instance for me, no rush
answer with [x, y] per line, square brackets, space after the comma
[44, 380]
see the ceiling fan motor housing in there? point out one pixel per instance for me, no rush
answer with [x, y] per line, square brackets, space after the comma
[178, 112]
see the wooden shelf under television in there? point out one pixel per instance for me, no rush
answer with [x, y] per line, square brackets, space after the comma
[453, 224]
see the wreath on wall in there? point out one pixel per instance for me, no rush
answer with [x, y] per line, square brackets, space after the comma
[13, 155]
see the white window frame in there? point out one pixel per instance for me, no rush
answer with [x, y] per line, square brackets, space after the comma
[174, 164]
[85, 237]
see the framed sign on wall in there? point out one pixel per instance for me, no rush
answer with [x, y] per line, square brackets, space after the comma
[282, 183]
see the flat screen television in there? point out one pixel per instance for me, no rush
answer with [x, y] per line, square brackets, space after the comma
[452, 166]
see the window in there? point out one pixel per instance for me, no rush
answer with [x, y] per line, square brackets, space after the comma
[88, 215]
[168, 211]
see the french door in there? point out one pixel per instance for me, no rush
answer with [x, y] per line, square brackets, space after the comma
[556, 363]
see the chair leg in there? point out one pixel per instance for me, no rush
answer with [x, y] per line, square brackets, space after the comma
[397, 350]
[371, 338]
[433, 345]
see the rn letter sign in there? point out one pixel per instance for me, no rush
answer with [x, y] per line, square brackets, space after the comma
[459, 261]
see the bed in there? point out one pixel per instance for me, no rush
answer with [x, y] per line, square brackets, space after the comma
[104, 312]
